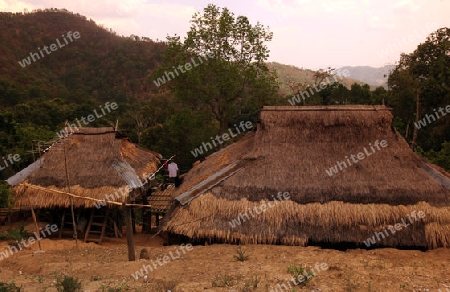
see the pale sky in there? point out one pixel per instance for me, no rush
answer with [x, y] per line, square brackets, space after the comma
[309, 34]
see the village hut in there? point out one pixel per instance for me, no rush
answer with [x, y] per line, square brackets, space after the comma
[88, 169]
[99, 162]
[276, 185]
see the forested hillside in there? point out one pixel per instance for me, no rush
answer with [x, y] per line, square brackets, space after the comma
[70, 82]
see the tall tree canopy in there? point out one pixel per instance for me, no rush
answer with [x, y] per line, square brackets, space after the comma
[424, 75]
[227, 76]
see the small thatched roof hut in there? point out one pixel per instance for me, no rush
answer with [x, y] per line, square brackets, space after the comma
[290, 152]
[101, 163]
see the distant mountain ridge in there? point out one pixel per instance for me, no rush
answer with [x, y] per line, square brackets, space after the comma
[370, 75]
[290, 73]
[375, 77]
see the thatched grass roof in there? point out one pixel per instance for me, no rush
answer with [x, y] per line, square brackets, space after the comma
[290, 152]
[99, 163]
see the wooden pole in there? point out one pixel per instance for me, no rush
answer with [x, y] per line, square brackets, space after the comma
[39, 150]
[32, 151]
[37, 228]
[130, 238]
[71, 199]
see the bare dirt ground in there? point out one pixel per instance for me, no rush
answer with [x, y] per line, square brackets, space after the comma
[213, 267]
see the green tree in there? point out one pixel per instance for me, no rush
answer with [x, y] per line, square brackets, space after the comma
[441, 158]
[180, 134]
[379, 96]
[229, 76]
[360, 94]
[5, 195]
[421, 82]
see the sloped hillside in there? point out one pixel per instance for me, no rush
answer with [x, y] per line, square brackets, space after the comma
[99, 63]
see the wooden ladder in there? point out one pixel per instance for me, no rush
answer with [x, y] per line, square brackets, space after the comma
[96, 227]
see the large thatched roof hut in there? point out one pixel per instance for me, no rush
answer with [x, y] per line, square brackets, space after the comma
[292, 151]
[101, 164]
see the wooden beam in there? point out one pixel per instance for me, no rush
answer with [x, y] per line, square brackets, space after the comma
[84, 198]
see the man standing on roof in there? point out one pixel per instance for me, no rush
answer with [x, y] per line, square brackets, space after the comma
[173, 173]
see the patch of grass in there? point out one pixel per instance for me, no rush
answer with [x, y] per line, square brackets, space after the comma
[241, 255]
[223, 281]
[11, 287]
[418, 265]
[301, 274]
[123, 287]
[68, 284]
[251, 284]
[41, 279]
[352, 287]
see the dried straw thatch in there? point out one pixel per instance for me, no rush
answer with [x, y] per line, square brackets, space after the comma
[99, 163]
[289, 152]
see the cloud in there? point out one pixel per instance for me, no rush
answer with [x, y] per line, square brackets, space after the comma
[343, 6]
[15, 6]
[409, 4]
[126, 17]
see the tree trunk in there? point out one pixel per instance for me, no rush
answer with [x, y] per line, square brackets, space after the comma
[413, 142]
[223, 129]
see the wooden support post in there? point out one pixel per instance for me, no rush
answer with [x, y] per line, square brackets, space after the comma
[133, 221]
[62, 225]
[119, 222]
[150, 228]
[37, 228]
[130, 236]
